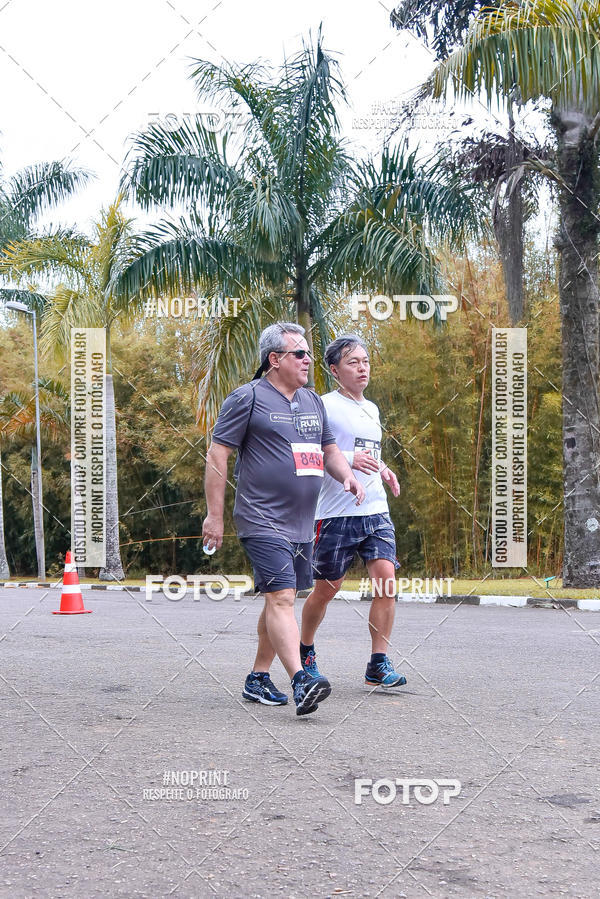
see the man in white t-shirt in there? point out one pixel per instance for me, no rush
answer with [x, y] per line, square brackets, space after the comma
[342, 529]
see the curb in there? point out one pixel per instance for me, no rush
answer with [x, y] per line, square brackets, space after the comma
[532, 602]
[583, 605]
[58, 586]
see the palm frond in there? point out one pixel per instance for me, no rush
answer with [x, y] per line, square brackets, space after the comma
[383, 240]
[183, 165]
[175, 260]
[252, 88]
[68, 308]
[265, 217]
[62, 254]
[31, 298]
[37, 188]
[227, 352]
[548, 48]
[111, 250]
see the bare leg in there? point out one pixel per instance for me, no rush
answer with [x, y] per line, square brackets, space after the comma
[282, 628]
[383, 606]
[316, 606]
[265, 652]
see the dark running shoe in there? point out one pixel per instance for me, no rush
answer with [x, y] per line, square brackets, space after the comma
[309, 692]
[382, 674]
[260, 688]
[309, 662]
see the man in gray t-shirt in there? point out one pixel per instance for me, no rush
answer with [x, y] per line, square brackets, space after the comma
[284, 442]
[272, 495]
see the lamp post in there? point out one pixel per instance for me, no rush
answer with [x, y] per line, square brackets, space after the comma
[37, 469]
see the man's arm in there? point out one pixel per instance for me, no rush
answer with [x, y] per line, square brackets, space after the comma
[364, 461]
[337, 466]
[389, 478]
[214, 488]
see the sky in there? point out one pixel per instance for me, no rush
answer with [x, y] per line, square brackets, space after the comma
[79, 78]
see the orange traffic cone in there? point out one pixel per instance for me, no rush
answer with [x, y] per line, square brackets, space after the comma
[71, 600]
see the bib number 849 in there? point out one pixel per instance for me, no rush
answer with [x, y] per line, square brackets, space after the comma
[308, 459]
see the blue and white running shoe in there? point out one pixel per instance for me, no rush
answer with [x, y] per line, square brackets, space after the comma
[309, 692]
[382, 674]
[260, 688]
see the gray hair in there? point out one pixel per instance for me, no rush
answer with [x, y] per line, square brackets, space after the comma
[346, 342]
[272, 338]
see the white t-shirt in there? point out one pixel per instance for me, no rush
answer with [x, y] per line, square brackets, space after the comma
[355, 427]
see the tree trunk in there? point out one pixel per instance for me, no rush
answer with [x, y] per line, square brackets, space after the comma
[508, 228]
[577, 242]
[113, 569]
[4, 569]
[302, 298]
[38, 516]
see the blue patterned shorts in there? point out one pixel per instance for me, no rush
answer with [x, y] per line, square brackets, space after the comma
[337, 540]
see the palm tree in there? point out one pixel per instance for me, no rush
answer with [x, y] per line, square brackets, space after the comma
[23, 198]
[551, 49]
[83, 298]
[278, 214]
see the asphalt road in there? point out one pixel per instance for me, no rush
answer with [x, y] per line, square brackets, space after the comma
[101, 712]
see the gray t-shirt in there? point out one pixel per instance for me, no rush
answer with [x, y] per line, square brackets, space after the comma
[281, 465]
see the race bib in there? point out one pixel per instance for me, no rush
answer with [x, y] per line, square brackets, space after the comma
[363, 445]
[308, 459]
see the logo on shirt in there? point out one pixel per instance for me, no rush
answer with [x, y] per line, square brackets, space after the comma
[307, 424]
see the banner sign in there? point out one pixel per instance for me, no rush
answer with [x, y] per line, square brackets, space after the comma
[88, 446]
[509, 447]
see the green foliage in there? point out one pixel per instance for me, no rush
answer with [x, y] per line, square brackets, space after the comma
[278, 215]
[32, 191]
[433, 387]
[548, 48]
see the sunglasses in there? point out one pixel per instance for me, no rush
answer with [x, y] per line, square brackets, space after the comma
[299, 354]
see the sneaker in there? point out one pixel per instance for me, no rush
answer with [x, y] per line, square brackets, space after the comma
[382, 674]
[309, 692]
[260, 688]
[309, 662]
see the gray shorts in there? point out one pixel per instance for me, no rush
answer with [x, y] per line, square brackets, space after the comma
[279, 564]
